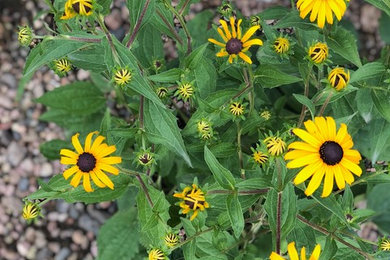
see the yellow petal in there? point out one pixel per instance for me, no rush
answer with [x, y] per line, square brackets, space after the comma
[352, 155]
[108, 168]
[331, 128]
[69, 172]
[230, 59]
[308, 138]
[253, 42]
[87, 146]
[275, 256]
[249, 33]
[316, 253]
[222, 34]
[303, 146]
[96, 180]
[245, 57]
[233, 26]
[69, 153]
[239, 29]
[307, 172]
[314, 11]
[299, 162]
[222, 53]
[338, 175]
[67, 160]
[328, 182]
[292, 251]
[104, 150]
[97, 143]
[322, 126]
[321, 15]
[315, 181]
[87, 182]
[303, 253]
[103, 177]
[76, 143]
[217, 42]
[346, 174]
[353, 167]
[226, 29]
[341, 133]
[111, 160]
[76, 179]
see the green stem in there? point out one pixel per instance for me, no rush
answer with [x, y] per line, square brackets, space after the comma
[145, 189]
[240, 150]
[100, 20]
[278, 221]
[138, 24]
[306, 93]
[184, 7]
[171, 29]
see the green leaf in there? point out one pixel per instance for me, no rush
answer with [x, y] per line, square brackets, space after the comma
[159, 121]
[136, 8]
[198, 26]
[51, 149]
[205, 77]
[306, 102]
[116, 237]
[89, 58]
[196, 57]
[332, 205]
[368, 71]
[378, 199]
[292, 19]
[222, 175]
[384, 24]
[48, 50]
[235, 214]
[384, 5]
[344, 43]
[270, 77]
[78, 98]
[330, 249]
[381, 100]
[106, 4]
[145, 51]
[169, 76]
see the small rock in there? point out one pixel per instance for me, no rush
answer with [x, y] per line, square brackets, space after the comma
[9, 79]
[79, 238]
[46, 170]
[87, 223]
[23, 184]
[16, 153]
[63, 254]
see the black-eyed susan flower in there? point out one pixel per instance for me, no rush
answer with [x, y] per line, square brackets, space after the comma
[255, 20]
[122, 76]
[293, 253]
[62, 66]
[266, 115]
[339, 78]
[171, 239]
[322, 10]
[156, 254]
[318, 52]
[281, 45]
[237, 108]
[91, 162]
[204, 128]
[225, 9]
[325, 153]
[161, 92]
[31, 211]
[236, 44]
[259, 157]
[185, 91]
[384, 244]
[193, 201]
[275, 145]
[77, 7]
[145, 158]
[25, 35]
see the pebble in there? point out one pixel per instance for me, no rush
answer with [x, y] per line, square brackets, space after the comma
[79, 238]
[16, 153]
[46, 170]
[23, 184]
[63, 254]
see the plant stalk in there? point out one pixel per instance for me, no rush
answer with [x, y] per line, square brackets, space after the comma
[138, 24]
[278, 221]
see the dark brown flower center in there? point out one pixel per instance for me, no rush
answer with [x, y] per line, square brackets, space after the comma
[191, 204]
[76, 8]
[233, 46]
[338, 78]
[86, 162]
[315, 51]
[144, 159]
[331, 152]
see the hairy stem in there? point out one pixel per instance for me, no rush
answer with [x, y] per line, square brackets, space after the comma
[141, 112]
[328, 98]
[278, 221]
[143, 186]
[109, 38]
[138, 24]
[241, 192]
[171, 29]
[184, 7]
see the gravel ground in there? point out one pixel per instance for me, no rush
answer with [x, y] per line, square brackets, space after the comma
[69, 231]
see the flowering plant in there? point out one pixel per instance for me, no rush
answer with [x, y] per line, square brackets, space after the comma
[254, 141]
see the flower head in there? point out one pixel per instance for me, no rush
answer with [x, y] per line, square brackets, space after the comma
[275, 145]
[157, 64]
[234, 43]
[259, 157]
[171, 239]
[281, 45]
[62, 66]
[322, 9]
[25, 35]
[161, 92]
[31, 211]
[255, 20]
[193, 200]
[318, 52]
[122, 76]
[325, 153]
[80, 7]
[266, 115]
[156, 254]
[237, 108]
[339, 78]
[145, 158]
[204, 129]
[384, 244]
[90, 162]
[185, 91]
[293, 253]
[225, 9]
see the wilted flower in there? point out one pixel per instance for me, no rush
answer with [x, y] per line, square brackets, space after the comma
[31, 211]
[62, 66]
[204, 129]
[237, 108]
[275, 145]
[161, 92]
[193, 201]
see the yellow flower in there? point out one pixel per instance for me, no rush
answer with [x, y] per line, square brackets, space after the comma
[69, 13]
[62, 66]
[259, 157]
[321, 9]
[293, 253]
[266, 115]
[82, 7]
[156, 254]
[384, 244]
[185, 91]
[31, 211]
[236, 44]
[339, 78]
[237, 108]
[193, 200]
[25, 36]
[204, 129]
[318, 52]
[122, 76]
[171, 240]
[282, 45]
[325, 153]
[161, 92]
[275, 145]
[90, 162]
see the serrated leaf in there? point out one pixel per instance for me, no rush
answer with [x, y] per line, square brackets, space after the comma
[368, 71]
[169, 76]
[270, 77]
[235, 214]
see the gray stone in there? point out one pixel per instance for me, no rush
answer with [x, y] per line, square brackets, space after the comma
[16, 153]
[89, 224]
[63, 254]
[23, 184]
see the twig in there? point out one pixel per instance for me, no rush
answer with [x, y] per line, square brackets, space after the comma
[141, 112]
[143, 186]
[326, 232]
[325, 104]
[278, 221]
[109, 38]
[138, 24]
[171, 29]
[183, 7]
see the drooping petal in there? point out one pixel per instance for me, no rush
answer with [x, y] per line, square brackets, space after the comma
[253, 42]
[316, 253]
[331, 128]
[308, 138]
[222, 34]
[233, 26]
[108, 168]
[239, 29]
[226, 29]
[96, 180]
[103, 177]
[97, 143]
[328, 182]
[308, 159]
[338, 175]
[307, 172]
[88, 140]
[245, 57]
[315, 181]
[353, 167]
